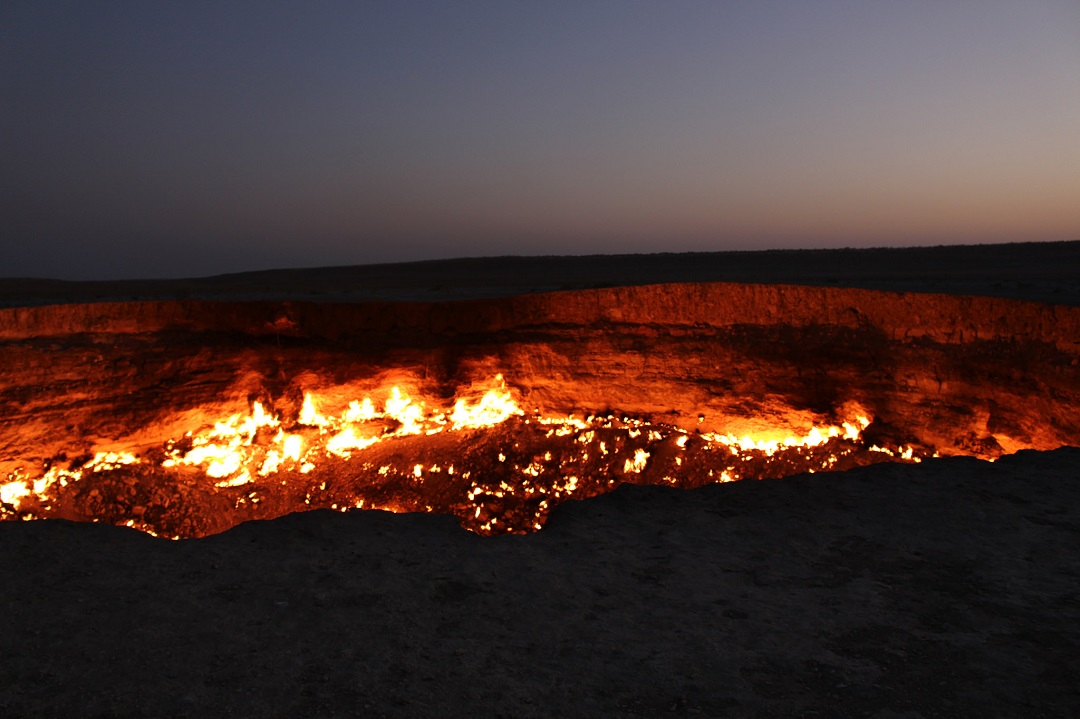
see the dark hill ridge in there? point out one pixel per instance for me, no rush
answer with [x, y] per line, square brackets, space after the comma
[1044, 272]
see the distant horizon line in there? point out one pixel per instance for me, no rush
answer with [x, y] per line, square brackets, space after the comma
[583, 256]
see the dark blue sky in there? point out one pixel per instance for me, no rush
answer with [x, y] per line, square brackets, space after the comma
[152, 139]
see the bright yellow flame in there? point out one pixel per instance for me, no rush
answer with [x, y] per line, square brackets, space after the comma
[291, 445]
[495, 407]
[360, 411]
[110, 460]
[637, 464]
[308, 414]
[814, 438]
[399, 407]
[13, 492]
[344, 442]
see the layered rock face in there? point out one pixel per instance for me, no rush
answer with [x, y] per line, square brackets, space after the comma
[666, 371]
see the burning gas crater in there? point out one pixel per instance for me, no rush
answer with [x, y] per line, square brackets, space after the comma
[484, 460]
[183, 419]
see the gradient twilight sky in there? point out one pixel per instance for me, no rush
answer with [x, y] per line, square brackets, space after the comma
[166, 139]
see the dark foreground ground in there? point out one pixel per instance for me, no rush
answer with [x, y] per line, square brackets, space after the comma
[950, 589]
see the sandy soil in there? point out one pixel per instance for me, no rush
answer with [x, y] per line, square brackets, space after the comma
[947, 589]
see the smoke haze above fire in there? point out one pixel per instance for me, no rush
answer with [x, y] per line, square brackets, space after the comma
[160, 139]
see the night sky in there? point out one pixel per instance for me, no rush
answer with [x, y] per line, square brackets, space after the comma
[168, 139]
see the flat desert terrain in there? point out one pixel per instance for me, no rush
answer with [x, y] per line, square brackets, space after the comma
[945, 589]
[1041, 272]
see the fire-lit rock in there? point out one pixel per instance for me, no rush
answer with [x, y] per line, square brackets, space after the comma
[186, 418]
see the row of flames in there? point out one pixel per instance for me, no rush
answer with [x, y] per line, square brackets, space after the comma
[233, 451]
[248, 447]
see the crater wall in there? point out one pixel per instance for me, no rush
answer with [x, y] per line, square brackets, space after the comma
[957, 375]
